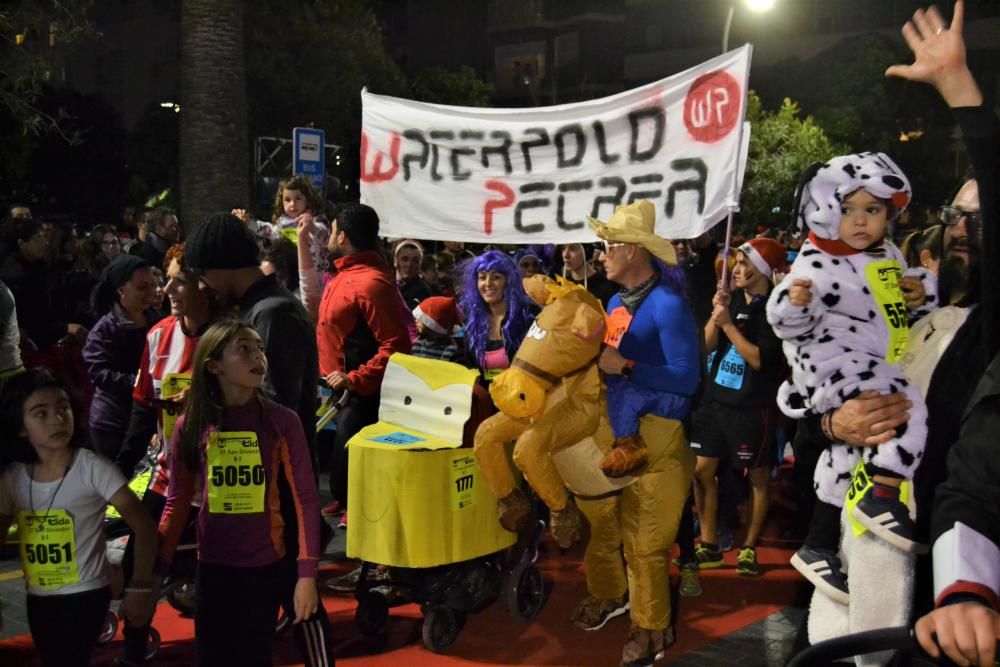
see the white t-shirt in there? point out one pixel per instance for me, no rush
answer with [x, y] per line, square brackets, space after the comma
[91, 482]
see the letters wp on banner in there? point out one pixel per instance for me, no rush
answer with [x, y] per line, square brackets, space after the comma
[533, 175]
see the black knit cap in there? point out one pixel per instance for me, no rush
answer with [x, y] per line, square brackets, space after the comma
[221, 242]
[120, 270]
[113, 277]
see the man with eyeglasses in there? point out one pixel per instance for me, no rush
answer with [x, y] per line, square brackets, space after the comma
[962, 234]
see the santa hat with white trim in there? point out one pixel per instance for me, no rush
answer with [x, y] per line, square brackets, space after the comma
[437, 313]
[767, 255]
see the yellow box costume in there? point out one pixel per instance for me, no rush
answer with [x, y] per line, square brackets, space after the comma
[416, 499]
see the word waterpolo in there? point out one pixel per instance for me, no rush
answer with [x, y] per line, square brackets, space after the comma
[534, 175]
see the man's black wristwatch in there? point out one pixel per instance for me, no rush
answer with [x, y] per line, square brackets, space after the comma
[627, 372]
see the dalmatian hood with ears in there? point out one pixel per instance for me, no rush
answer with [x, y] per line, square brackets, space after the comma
[834, 181]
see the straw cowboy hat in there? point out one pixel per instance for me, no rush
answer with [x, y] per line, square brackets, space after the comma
[634, 223]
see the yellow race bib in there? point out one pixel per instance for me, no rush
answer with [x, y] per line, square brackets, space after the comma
[172, 385]
[883, 279]
[235, 473]
[48, 549]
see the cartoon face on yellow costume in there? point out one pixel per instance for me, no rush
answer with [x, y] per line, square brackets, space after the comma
[417, 497]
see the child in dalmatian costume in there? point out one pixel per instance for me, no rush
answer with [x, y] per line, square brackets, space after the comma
[843, 316]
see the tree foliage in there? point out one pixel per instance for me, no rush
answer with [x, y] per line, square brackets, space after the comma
[441, 86]
[36, 36]
[782, 145]
[307, 61]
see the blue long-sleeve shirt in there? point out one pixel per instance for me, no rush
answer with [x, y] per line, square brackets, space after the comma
[662, 341]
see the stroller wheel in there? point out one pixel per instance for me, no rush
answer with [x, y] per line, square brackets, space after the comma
[441, 626]
[108, 629]
[181, 598]
[152, 644]
[524, 592]
[371, 614]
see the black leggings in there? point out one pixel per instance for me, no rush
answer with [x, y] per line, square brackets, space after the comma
[236, 610]
[65, 627]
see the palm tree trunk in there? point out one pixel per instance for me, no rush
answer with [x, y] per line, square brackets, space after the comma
[214, 149]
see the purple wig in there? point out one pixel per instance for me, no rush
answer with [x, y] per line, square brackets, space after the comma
[672, 276]
[477, 316]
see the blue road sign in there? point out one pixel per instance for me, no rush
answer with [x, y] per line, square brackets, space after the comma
[309, 154]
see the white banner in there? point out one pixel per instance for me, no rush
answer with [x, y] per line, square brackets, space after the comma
[533, 175]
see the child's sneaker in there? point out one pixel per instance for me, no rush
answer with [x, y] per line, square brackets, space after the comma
[822, 568]
[706, 557]
[690, 581]
[343, 520]
[627, 456]
[746, 563]
[881, 512]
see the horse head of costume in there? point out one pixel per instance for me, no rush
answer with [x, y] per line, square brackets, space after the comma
[565, 337]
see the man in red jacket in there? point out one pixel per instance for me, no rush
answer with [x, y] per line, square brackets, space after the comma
[360, 325]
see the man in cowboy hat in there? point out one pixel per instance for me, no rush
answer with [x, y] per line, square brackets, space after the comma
[652, 345]
[631, 246]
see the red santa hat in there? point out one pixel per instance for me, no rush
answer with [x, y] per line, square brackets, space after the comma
[767, 255]
[437, 313]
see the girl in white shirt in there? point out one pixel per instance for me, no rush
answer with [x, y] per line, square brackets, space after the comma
[58, 493]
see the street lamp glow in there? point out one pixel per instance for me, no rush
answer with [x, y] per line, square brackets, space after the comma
[754, 5]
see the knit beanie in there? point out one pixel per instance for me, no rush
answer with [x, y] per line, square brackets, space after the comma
[223, 241]
[113, 277]
[767, 255]
[843, 175]
[437, 313]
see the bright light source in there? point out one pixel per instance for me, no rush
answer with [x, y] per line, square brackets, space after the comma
[760, 5]
[167, 105]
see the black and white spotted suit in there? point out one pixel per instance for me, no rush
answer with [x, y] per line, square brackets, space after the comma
[837, 346]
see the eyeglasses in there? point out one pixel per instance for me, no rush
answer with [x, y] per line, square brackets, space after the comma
[951, 215]
[608, 246]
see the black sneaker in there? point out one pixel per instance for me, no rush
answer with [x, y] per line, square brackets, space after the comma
[888, 519]
[707, 558]
[822, 568]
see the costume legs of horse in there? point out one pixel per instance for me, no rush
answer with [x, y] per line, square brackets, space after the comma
[643, 518]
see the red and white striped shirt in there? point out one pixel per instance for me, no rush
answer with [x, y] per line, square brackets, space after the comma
[168, 350]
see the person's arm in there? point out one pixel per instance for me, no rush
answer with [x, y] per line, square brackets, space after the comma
[790, 316]
[749, 351]
[297, 467]
[720, 302]
[180, 493]
[141, 428]
[965, 521]
[310, 276]
[287, 355]
[940, 60]
[139, 600]
[383, 312]
[99, 357]
[678, 338]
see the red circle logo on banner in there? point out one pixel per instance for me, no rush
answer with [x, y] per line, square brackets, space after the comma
[712, 107]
